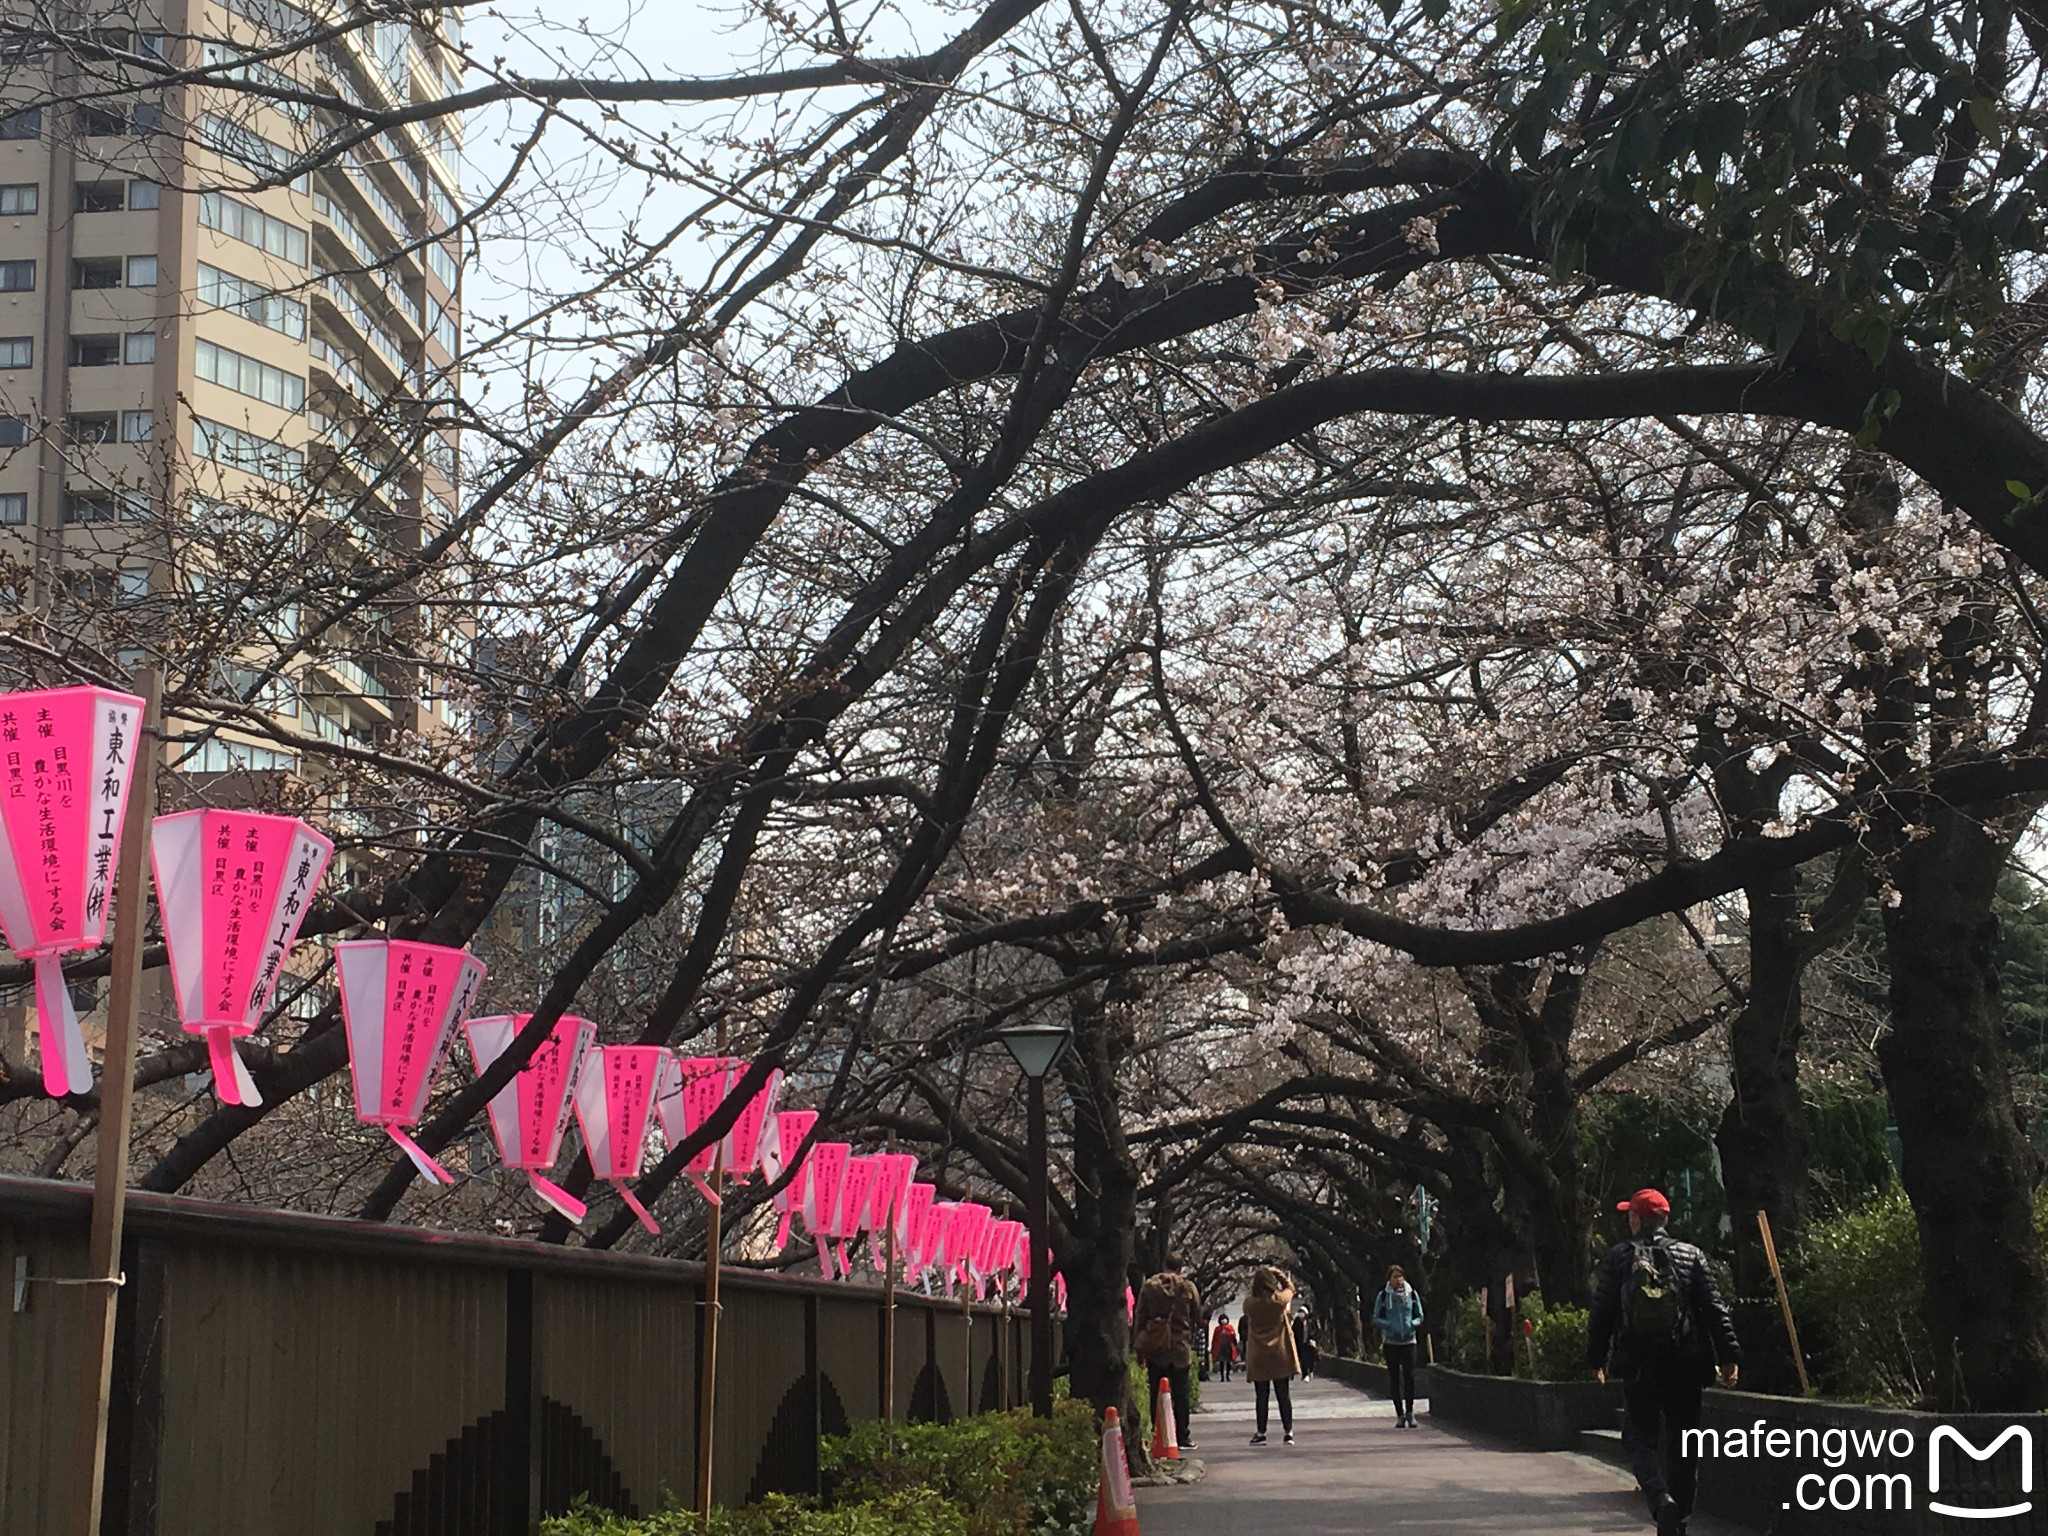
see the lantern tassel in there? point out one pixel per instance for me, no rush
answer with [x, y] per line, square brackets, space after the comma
[231, 1079]
[704, 1186]
[633, 1204]
[430, 1170]
[65, 1066]
[557, 1196]
[845, 1264]
[782, 1231]
[825, 1259]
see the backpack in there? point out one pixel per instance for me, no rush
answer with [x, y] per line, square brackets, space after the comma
[1652, 1307]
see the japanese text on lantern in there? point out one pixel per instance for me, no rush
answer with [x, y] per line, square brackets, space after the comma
[415, 1007]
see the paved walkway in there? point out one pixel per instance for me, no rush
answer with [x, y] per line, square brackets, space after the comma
[1350, 1471]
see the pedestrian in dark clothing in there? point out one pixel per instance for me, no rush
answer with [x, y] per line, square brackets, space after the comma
[1168, 1315]
[1305, 1342]
[1223, 1345]
[1659, 1323]
[1397, 1313]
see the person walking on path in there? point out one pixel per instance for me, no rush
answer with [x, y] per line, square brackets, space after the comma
[1223, 1345]
[1270, 1358]
[1168, 1313]
[1305, 1342]
[1658, 1314]
[1397, 1313]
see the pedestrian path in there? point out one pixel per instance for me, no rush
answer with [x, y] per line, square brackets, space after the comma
[1350, 1471]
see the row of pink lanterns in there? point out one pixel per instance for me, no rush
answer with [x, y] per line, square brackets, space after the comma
[233, 888]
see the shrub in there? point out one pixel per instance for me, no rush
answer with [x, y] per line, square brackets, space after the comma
[997, 1474]
[1465, 1336]
[1557, 1340]
[1010, 1474]
[1856, 1294]
[910, 1512]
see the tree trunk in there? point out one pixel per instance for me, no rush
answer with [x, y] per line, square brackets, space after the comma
[1966, 1164]
[1763, 1139]
[1098, 1258]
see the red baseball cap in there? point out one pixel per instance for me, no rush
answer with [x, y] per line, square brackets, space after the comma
[1646, 1202]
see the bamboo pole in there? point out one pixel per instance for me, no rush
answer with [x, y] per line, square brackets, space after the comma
[117, 1081]
[1763, 1225]
[707, 1381]
[889, 1309]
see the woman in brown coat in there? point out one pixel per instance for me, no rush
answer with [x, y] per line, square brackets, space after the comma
[1270, 1360]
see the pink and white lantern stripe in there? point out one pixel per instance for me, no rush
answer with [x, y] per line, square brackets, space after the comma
[530, 1113]
[67, 759]
[401, 1002]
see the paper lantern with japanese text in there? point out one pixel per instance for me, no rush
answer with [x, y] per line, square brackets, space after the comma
[690, 1096]
[822, 1196]
[614, 1100]
[233, 887]
[743, 1141]
[782, 1148]
[401, 1003]
[529, 1114]
[910, 1214]
[67, 758]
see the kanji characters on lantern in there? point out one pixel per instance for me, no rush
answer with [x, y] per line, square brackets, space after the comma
[401, 1002]
[613, 1100]
[529, 1114]
[233, 887]
[782, 1149]
[67, 758]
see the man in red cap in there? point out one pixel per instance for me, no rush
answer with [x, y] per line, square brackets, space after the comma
[1659, 1316]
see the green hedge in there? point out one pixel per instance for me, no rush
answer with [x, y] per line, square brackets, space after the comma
[997, 1474]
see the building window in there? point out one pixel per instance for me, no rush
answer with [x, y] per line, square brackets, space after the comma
[102, 196]
[23, 197]
[90, 509]
[252, 301]
[134, 583]
[144, 194]
[244, 450]
[88, 430]
[17, 276]
[137, 426]
[247, 376]
[263, 157]
[95, 351]
[101, 122]
[217, 756]
[13, 432]
[252, 226]
[14, 507]
[149, 118]
[443, 265]
[96, 272]
[140, 348]
[17, 351]
[141, 271]
[22, 125]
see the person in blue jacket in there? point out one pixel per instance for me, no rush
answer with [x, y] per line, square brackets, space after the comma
[1398, 1316]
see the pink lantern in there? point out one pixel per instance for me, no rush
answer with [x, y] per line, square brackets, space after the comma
[67, 757]
[854, 1199]
[613, 1100]
[743, 1141]
[401, 1003]
[1059, 1292]
[690, 1097]
[530, 1113]
[782, 1148]
[938, 1223]
[893, 1173]
[910, 1216]
[822, 1198]
[233, 887]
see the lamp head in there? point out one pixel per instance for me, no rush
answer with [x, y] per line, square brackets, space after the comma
[1036, 1046]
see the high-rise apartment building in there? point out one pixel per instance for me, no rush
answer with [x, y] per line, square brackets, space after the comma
[199, 328]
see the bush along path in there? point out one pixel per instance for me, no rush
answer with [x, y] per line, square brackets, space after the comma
[997, 1474]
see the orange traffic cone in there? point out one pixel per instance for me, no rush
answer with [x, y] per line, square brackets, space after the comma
[1116, 1507]
[1165, 1433]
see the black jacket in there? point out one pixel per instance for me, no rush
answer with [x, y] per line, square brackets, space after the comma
[1713, 1330]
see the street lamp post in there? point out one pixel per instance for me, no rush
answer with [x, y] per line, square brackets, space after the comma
[1037, 1047]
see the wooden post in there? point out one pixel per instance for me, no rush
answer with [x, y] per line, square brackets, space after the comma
[889, 1309]
[1763, 1225]
[117, 1082]
[967, 1349]
[707, 1380]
